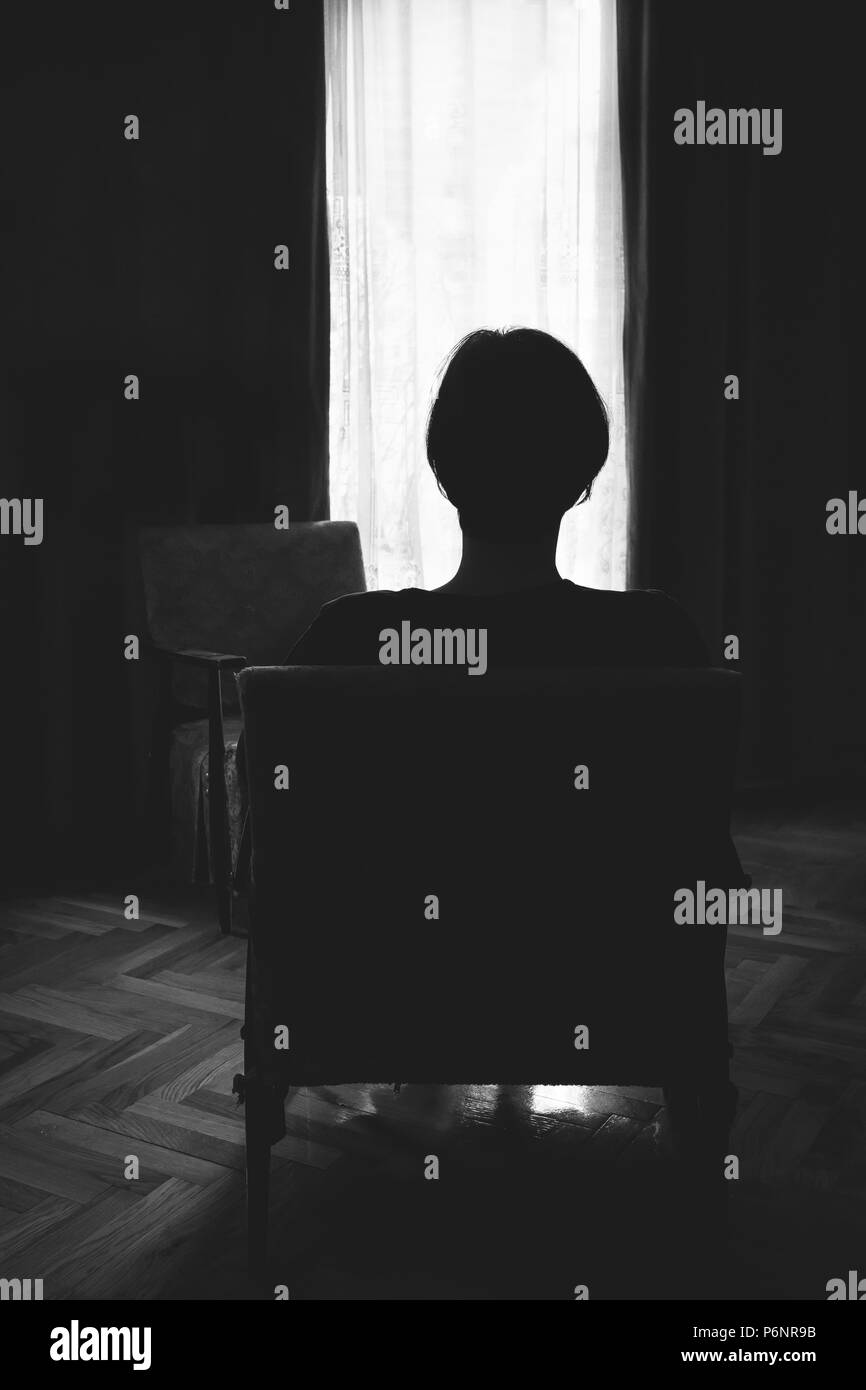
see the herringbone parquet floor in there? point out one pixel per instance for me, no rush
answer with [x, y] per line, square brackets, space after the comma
[119, 1039]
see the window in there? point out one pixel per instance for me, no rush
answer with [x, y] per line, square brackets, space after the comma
[473, 179]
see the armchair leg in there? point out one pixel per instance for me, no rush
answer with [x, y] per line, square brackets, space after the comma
[263, 1111]
[258, 1163]
[220, 843]
[224, 908]
[701, 1116]
[159, 783]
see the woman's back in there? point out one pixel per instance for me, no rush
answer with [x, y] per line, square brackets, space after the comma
[556, 624]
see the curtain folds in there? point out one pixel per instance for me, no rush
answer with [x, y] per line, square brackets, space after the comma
[743, 264]
[473, 169]
[166, 270]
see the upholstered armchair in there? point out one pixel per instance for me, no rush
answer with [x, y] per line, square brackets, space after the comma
[217, 598]
[439, 899]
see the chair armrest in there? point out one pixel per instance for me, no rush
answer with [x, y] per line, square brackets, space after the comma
[215, 664]
[221, 661]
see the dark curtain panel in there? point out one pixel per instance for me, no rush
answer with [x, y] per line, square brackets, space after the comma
[153, 257]
[749, 264]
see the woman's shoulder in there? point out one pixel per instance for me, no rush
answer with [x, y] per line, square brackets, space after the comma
[620, 596]
[647, 602]
[652, 619]
[367, 602]
[343, 622]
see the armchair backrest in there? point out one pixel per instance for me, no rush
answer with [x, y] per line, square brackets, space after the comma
[248, 589]
[454, 876]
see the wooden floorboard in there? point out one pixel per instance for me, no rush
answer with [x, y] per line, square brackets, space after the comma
[121, 1038]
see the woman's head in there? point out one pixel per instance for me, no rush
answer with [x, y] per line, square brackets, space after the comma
[517, 433]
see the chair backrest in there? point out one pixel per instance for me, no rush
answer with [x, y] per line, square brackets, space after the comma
[441, 894]
[247, 589]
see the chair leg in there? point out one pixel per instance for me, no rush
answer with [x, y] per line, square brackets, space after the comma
[701, 1115]
[681, 1103]
[220, 842]
[159, 784]
[258, 1171]
[224, 907]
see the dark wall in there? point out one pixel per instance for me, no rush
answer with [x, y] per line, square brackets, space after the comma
[155, 257]
[752, 264]
[152, 257]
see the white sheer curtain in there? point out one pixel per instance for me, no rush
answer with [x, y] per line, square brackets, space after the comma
[473, 180]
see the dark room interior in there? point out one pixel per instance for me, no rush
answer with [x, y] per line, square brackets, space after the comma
[126, 969]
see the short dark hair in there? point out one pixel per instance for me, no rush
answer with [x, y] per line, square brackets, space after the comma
[517, 432]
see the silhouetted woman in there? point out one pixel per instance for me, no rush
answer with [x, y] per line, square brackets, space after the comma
[517, 435]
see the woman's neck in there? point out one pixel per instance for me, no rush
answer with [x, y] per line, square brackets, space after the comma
[488, 567]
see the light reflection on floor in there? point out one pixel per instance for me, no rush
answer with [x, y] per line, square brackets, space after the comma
[441, 1109]
[550, 1100]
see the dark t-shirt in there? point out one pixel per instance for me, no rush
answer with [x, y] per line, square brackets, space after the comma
[558, 624]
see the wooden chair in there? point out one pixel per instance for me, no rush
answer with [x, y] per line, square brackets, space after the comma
[437, 899]
[215, 599]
